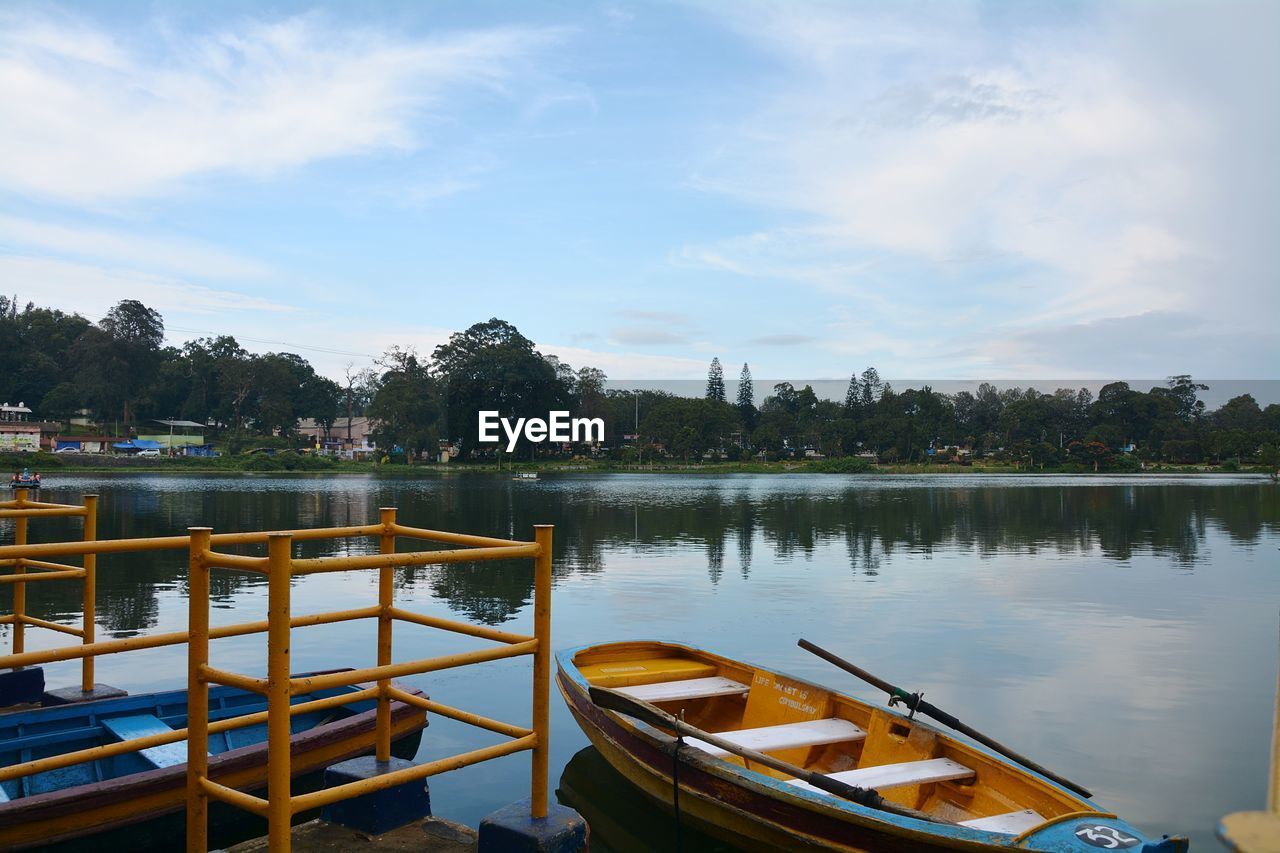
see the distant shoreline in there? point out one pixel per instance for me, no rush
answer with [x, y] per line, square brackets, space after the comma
[237, 466]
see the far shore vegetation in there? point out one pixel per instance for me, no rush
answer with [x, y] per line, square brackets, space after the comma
[118, 375]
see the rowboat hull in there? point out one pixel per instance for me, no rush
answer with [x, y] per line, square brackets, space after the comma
[756, 811]
[148, 806]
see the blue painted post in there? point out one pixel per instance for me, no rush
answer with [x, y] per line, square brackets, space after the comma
[380, 811]
[20, 686]
[513, 830]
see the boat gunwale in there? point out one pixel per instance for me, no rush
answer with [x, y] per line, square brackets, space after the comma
[760, 783]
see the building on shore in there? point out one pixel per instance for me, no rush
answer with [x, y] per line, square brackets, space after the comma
[346, 438]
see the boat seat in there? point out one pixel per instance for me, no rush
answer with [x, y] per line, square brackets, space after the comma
[689, 688]
[896, 775]
[143, 725]
[786, 736]
[1009, 823]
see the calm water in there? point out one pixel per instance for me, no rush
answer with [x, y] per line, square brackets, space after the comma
[1120, 630]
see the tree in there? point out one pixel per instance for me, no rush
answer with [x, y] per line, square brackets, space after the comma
[715, 381]
[406, 407]
[1270, 459]
[136, 333]
[491, 366]
[872, 387]
[746, 399]
[853, 397]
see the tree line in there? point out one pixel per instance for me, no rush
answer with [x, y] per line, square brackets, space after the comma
[120, 370]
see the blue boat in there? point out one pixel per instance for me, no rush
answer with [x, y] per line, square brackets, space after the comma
[24, 483]
[137, 800]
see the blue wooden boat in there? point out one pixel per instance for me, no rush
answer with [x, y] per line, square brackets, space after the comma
[137, 800]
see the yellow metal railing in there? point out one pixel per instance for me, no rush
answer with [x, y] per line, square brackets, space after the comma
[21, 509]
[280, 567]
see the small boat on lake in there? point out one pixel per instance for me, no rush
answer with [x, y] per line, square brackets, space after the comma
[963, 797]
[525, 475]
[20, 482]
[136, 801]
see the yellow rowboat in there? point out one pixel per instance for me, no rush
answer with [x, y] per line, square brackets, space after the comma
[970, 798]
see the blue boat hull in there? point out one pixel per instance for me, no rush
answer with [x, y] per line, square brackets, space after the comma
[137, 800]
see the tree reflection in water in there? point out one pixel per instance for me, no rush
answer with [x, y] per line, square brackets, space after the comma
[768, 518]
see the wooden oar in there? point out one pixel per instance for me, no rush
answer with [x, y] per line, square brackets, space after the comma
[914, 702]
[612, 700]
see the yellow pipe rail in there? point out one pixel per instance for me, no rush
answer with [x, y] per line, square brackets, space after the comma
[279, 686]
[20, 556]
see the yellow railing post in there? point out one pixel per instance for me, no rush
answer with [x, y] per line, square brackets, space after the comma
[386, 580]
[197, 690]
[19, 588]
[90, 590]
[279, 807]
[541, 669]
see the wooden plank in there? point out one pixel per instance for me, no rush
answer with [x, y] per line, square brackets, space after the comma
[1009, 823]
[896, 775]
[689, 688]
[142, 725]
[786, 736]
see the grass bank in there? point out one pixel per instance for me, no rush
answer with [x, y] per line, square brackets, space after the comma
[286, 463]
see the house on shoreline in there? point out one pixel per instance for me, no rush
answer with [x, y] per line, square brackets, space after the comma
[347, 438]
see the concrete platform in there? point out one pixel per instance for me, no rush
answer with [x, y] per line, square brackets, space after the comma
[433, 835]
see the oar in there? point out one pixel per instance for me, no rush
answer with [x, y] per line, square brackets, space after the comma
[612, 700]
[914, 702]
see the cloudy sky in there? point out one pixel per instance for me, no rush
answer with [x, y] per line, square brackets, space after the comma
[943, 190]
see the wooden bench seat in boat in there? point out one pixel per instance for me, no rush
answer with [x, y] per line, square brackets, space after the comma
[786, 736]
[142, 725]
[689, 688]
[896, 775]
[1010, 823]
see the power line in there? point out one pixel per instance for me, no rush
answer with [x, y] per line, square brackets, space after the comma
[274, 343]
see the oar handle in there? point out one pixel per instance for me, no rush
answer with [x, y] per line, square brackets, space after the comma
[917, 704]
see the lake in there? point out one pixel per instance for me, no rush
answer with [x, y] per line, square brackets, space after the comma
[1119, 630]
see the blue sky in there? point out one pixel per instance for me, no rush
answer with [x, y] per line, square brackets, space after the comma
[944, 190]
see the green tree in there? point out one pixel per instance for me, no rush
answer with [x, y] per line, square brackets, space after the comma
[746, 399]
[491, 366]
[406, 407]
[715, 381]
[134, 334]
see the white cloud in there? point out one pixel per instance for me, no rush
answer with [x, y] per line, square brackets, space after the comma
[171, 255]
[89, 117]
[938, 157]
[628, 365]
[91, 290]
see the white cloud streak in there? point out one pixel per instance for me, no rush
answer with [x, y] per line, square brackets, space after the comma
[264, 97]
[938, 156]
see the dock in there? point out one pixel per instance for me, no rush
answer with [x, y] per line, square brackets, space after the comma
[363, 788]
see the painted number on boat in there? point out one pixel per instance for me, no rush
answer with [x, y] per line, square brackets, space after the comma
[1106, 837]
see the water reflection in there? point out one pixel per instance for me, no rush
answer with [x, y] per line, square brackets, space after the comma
[621, 822]
[786, 519]
[1094, 623]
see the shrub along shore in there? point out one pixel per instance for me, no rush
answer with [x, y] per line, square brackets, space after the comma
[51, 465]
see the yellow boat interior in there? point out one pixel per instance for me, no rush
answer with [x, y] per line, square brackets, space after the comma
[819, 730]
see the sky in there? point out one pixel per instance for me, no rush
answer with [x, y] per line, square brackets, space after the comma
[944, 190]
